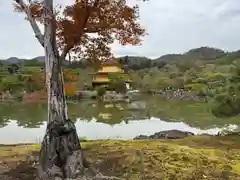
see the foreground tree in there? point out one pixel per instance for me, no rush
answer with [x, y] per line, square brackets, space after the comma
[85, 28]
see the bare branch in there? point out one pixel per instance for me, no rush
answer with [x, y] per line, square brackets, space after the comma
[94, 28]
[35, 27]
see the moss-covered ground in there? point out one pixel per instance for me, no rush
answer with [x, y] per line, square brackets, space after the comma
[192, 158]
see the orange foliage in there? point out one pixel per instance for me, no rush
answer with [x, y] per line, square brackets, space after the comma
[108, 19]
[69, 89]
[35, 7]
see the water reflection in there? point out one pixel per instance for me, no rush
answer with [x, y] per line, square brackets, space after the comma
[34, 115]
[97, 130]
[103, 120]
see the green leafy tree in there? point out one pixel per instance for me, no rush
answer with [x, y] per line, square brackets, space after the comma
[101, 90]
[13, 68]
[118, 85]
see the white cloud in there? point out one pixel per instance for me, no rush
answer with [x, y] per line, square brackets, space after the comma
[174, 26]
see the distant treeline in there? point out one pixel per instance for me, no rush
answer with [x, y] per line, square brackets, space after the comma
[136, 62]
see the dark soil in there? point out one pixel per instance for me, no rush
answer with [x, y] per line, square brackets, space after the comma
[22, 171]
[23, 168]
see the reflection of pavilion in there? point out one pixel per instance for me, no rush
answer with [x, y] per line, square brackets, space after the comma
[115, 114]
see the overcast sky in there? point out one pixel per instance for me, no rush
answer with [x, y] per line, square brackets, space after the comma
[174, 26]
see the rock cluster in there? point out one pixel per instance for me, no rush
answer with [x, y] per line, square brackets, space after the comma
[177, 134]
[181, 95]
[178, 94]
[170, 134]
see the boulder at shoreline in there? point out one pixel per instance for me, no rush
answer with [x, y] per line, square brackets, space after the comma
[169, 134]
[177, 134]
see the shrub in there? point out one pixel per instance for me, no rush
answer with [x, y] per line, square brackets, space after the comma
[34, 83]
[117, 85]
[215, 76]
[101, 90]
[11, 83]
[31, 87]
[197, 87]
[163, 83]
[13, 68]
[225, 104]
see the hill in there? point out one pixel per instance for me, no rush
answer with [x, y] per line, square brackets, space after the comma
[37, 61]
[14, 60]
[40, 59]
[202, 54]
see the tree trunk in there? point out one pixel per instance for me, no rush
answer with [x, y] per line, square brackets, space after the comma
[60, 154]
[57, 108]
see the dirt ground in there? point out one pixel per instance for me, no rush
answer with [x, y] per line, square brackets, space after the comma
[192, 158]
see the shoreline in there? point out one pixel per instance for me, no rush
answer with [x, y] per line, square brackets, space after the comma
[161, 135]
[39, 96]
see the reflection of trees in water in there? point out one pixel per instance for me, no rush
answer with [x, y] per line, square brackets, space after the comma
[26, 115]
[83, 110]
[3, 122]
[33, 115]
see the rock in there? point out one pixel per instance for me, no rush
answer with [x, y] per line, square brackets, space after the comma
[86, 94]
[141, 137]
[137, 105]
[33, 158]
[170, 134]
[228, 133]
[233, 134]
[179, 94]
[113, 96]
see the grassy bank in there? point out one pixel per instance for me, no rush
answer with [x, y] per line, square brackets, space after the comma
[193, 158]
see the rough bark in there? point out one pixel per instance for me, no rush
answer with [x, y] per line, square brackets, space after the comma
[54, 78]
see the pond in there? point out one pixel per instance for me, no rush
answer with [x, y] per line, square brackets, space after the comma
[25, 123]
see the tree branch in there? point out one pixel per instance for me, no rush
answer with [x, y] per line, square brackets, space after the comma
[94, 28]
[35, 27]
[68, 47]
